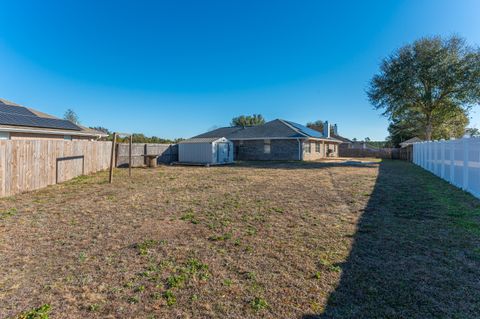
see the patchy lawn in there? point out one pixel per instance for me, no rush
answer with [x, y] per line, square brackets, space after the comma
[274, 240]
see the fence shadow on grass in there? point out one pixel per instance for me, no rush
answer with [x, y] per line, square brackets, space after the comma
[415, 253]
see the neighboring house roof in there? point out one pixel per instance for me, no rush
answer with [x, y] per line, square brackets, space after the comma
[410, 141]
[341, 138]
[18, 118]
[276, 129]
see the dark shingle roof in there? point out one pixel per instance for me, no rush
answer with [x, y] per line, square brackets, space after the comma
[273, 129]
[220, 132]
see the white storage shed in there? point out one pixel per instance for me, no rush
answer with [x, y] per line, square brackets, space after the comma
[208, 150]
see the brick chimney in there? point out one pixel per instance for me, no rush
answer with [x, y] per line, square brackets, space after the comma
[326, 129]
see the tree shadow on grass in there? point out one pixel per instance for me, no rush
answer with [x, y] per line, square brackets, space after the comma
[416, 252]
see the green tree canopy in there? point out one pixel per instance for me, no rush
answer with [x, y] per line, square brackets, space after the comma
[71, 116]
[472, 132]
[428, 88]
[318, 126]
[248, 120]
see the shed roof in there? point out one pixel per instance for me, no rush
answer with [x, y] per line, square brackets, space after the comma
[197, 140]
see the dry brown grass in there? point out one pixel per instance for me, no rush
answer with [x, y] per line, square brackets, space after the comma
[253, 240]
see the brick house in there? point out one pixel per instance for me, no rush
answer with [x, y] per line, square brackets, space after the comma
[18, 122]
[278, 140]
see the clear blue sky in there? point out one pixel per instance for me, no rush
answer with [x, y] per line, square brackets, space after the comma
[177, 68]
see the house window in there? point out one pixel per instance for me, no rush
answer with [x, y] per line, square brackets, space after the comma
[266, 146]
[317, 147]
[308, 148]
[67, 137]
[4, 136]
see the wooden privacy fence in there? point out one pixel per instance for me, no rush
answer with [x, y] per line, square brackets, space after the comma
[167, 153]
[456, 161]
[405, 153]
[388, 153]
[26, 165]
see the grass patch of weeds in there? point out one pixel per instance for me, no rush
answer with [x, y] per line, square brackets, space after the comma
[175, 281]
[189, 216]
[82, 257]
[8, 213]
[156, 295]
[227, 282]
[41, 312]
[258, 304]
[94, 307]
[140, 289]
[133, 299]
[251, 231]
[277, 210]
[251, 275]
[82, 179]
[223, 237]
[145, 245]
[170, 298]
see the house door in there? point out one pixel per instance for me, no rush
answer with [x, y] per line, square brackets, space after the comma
[223, 152]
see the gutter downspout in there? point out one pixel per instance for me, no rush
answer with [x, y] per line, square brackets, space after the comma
[299, 149]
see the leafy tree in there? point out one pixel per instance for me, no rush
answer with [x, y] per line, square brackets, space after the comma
[472, 132]
[101, 129]
[367, 139]
[248, 120]
[422, 86]
[71, 116]
[318, 126]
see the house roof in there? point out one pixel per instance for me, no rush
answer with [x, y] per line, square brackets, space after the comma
[341, 138]
[15, 117]
[276, 129]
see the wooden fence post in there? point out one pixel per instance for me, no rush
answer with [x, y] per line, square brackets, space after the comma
[130, 140]
[112, 158]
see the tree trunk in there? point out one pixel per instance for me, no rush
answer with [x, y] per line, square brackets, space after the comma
[428, 131]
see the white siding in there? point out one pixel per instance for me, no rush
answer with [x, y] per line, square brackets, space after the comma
[195, 153]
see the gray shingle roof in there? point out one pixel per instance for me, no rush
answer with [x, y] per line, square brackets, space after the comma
[275, 129]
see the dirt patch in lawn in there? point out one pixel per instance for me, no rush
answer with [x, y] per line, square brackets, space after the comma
[275, 240]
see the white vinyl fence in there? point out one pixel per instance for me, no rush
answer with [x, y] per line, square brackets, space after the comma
[456, 161]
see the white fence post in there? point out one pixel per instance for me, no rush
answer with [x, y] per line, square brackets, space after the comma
[442, 170]
[452, 161]
[465, 162]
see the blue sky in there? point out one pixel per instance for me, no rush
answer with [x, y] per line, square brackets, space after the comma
[178, 68]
